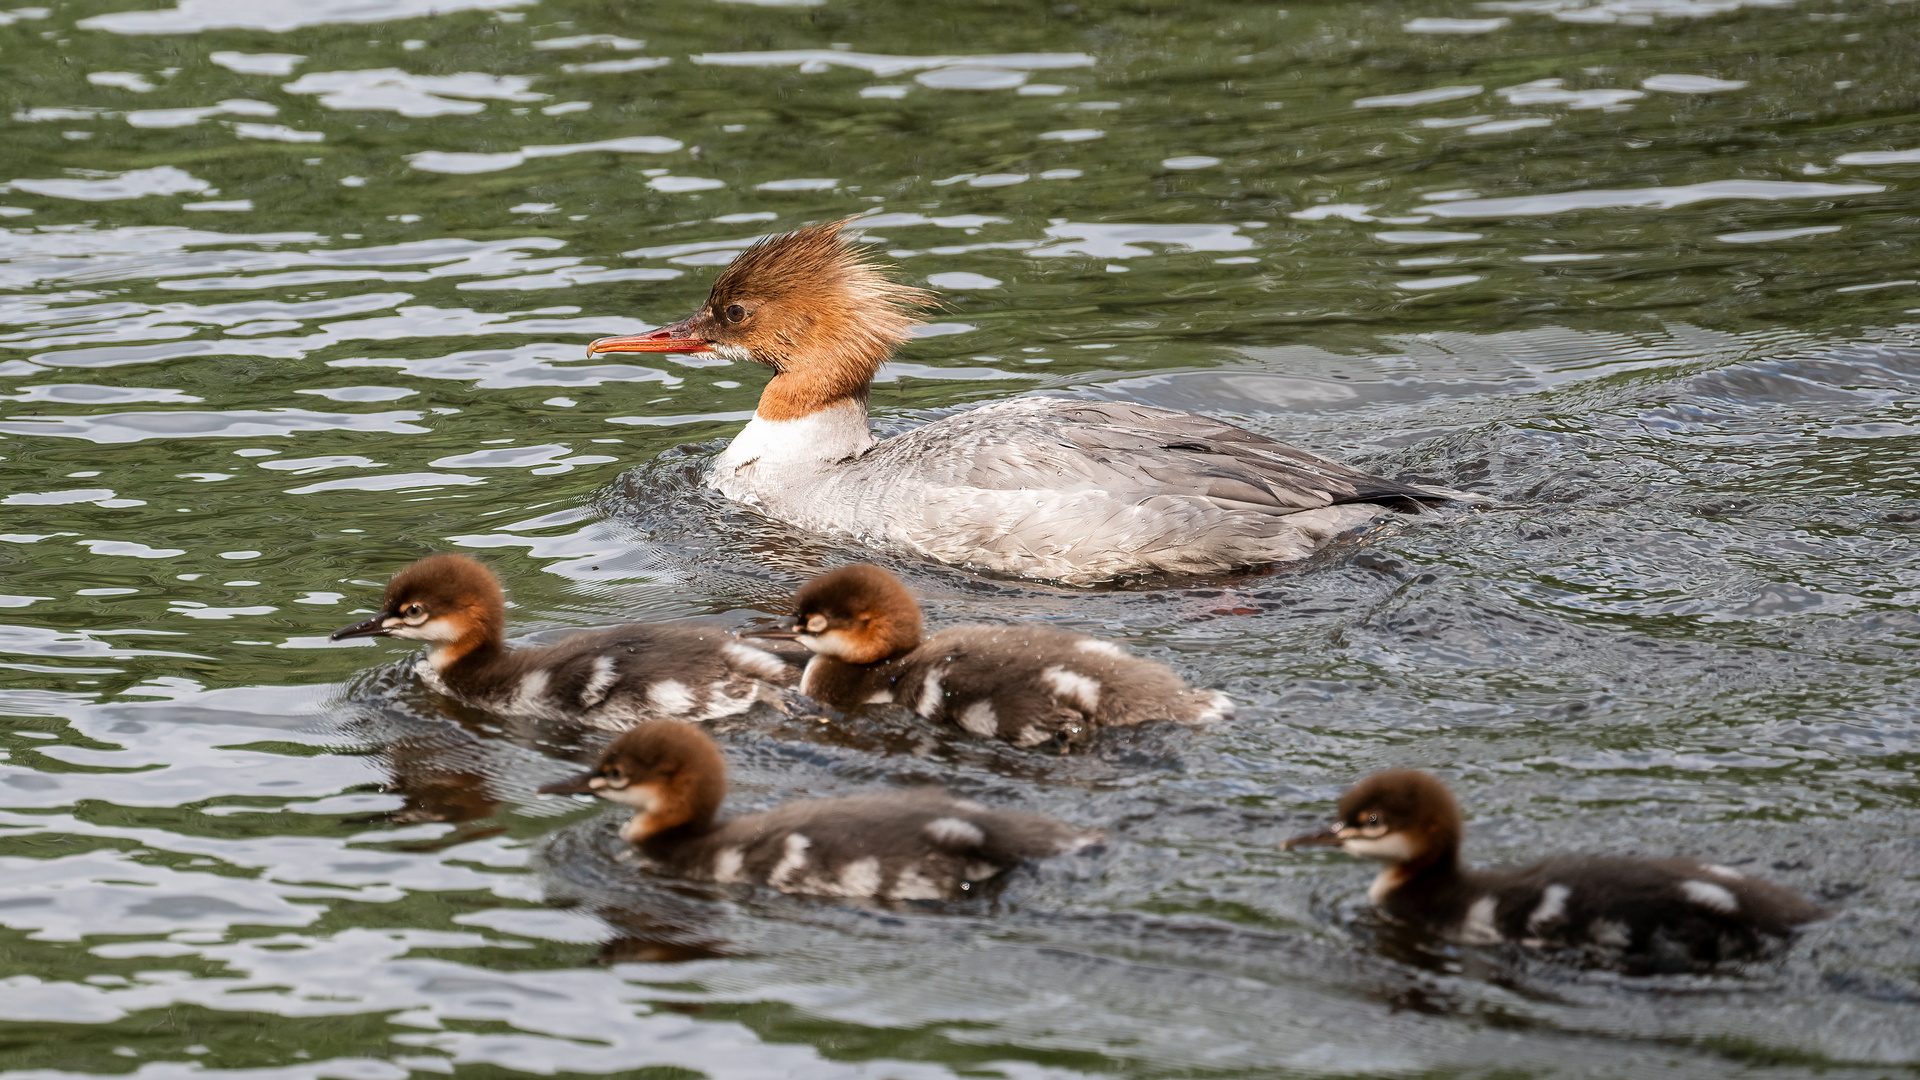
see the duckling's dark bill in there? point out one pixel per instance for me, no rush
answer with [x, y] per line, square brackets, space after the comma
[374, 627]
[572, 785]
[1323, 838]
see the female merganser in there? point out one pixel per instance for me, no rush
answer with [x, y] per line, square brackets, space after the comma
[610, 678]
[1651, 914]
[1044, 487]
[908, 845]
[1025, 684]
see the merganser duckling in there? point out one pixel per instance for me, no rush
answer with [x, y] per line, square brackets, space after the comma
[907, 845]
[1652, 914]
[1026, 684]
[611, 678]
[1044, 487]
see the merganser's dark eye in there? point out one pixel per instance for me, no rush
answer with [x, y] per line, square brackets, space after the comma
[415, 614]
[1371, 819]
[735, 313]
[817, 624]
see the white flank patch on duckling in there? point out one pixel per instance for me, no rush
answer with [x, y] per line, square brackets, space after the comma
[861, 877]
[931, 694]
[598, 683]
[1477, 928]
[1609, 932]
[1032, 735]
[1104, 648]
[1724, 873]
[911, 884]
[1709, 895]
[670, 696]
[533, 687]
[726, 866]
[1073, 687]
[953, 832]
[980, 719]
[1552, 907]
[753, 661]
[1219, 707]
[981, 871]
[793, 859]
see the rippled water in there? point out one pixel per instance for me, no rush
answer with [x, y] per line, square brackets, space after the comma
[297, 291]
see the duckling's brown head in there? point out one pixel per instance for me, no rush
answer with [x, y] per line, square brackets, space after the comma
[858, 613]
[450, 601]
[807, 304]
[671, 772]
[1397, 817]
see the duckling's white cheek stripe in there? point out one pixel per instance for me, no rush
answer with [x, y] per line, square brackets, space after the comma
[670, 696]
[834, 643]
[1709, 895]
[1478, 929]
[1553, 905]
[1073, 687]
[1392, 847]
[438, 631]
[980, 719]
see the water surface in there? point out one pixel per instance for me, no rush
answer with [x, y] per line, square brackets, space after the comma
[296, 292]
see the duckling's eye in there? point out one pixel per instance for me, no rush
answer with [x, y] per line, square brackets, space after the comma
[1371, 819]
[414, 613]
[817, 624]
[735, 313]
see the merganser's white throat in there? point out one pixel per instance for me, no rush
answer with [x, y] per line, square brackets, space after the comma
[1068, 489]
[767, 453]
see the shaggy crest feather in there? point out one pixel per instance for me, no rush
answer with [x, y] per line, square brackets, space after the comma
[818, 303]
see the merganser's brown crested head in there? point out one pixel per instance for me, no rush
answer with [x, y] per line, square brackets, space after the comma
[1403, 818]
[810, 306]
[858, 613]
[450, 601]
[669, 771]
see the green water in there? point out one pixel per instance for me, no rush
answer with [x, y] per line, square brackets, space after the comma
[291, 294]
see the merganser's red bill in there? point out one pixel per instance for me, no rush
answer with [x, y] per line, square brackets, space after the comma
[678, 338]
